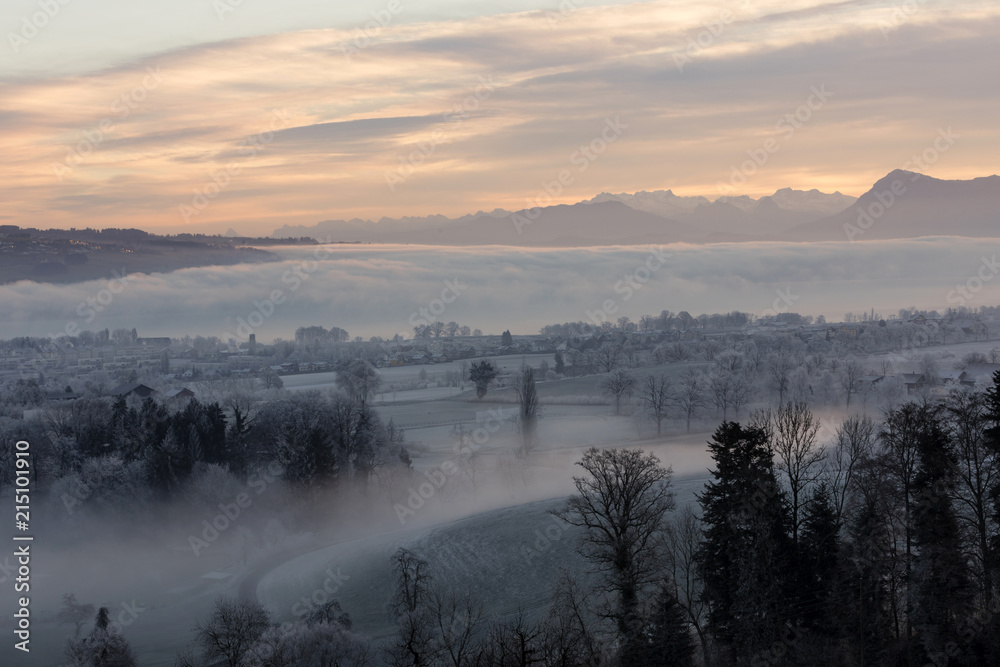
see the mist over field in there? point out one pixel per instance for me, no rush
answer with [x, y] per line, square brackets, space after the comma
[535, 333]
[380, 290]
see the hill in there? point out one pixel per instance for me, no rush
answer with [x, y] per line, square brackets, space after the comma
[69, 256]
[906, 204]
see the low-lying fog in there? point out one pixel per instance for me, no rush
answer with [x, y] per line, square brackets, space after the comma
[157, 587]
[380, 290]
[148, 575]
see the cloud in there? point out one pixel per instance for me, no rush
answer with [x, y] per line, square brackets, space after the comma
[347, 123]
[376, 290]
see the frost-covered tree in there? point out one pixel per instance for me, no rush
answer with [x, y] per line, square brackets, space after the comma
[104, 647]
[618, 384]
[321, 643]
[528, 407]
[482, 373]
[359, 380]
[657, 398]
[233, 627]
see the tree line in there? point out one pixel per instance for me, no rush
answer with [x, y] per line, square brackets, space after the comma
[881, 548]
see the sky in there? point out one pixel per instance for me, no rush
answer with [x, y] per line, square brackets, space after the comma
[205, 115]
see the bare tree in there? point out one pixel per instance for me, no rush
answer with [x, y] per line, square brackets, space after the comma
[657, 397]
[512, 641]
[814, 362]
[244, 408]
[899, 439]
[755, 356]
[571, 637]
[618, 384]
[690, 395]
[232, 628]
[779, 369]
[929, 369]
[683, 539]
[73, 613]
[740, 393]
[729, 392]
[528, 407]
[469, 462]
[978, 469]
[792, 429]
[730, 361]
[456, 617]
[608, 356]
[850, 378]
[621, 504]
[854, 442]
[415, 644]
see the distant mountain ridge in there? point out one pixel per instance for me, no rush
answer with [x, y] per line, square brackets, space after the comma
[741, 214]
[918, 205]
[603, 223]
[906, 204]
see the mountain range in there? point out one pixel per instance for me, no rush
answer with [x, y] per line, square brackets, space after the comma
[903, 204]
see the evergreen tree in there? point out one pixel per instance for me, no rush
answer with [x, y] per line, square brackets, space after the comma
[666, 637]
[817, 586]
[161, 465]
[745, 556]
[942, 590]
[870, 600]
[817, 562]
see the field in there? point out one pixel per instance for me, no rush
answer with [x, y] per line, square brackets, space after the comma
[487, 528]
[173, 589]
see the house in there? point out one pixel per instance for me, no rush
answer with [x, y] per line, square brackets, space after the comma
[62, 396]
[872, 380]
[159, 342]
[974, 373]
[132, 389]
[178, 394]
[974, 329]
[950, 377]
[912, 381]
